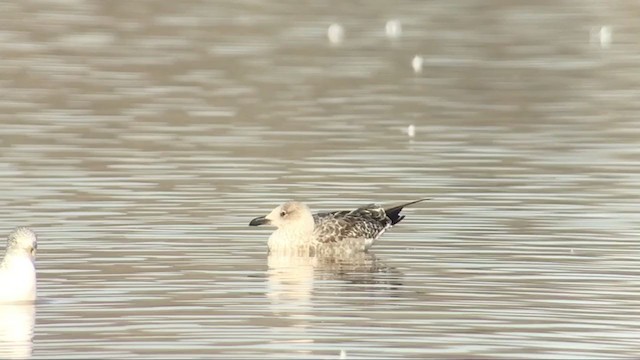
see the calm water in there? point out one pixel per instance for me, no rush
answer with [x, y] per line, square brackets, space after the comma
[139, 138]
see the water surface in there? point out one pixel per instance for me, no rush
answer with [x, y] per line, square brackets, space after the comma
[140, 138]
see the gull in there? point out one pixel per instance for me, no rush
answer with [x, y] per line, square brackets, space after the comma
[17, 270]
[328, 233]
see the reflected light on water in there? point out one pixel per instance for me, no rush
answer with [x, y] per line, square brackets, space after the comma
[16, 330]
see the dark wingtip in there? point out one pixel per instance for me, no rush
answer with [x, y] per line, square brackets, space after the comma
[393, 213]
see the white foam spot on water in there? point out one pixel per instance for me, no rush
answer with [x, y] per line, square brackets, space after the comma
[605, 36]
[335, 33]
[417, 63]
[393, 28]
[602, 36]
[411, 130]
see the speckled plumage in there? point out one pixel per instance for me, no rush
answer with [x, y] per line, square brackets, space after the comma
[366, 222]
[328, 233]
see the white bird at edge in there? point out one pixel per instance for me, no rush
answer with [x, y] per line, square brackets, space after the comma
[328, 233]
[17, 270]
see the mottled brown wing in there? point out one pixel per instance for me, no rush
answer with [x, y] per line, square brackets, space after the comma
[367, 222]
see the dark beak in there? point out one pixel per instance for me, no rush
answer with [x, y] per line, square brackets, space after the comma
[262, 220]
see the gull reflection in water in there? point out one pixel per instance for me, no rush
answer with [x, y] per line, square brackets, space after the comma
[16, 330]
[292, 284]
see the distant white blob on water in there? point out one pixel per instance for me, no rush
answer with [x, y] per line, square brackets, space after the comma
[393, 28]
[601, 36]
[335, 33]
[411, 130]
[343, 354]
[605, 37]
[417, 63]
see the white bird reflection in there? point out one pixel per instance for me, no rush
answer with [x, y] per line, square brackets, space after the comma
[292, 278]
[16, 330]
[292, 284]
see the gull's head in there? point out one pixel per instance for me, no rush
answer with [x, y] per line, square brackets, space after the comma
[289, 214]
[22, 241]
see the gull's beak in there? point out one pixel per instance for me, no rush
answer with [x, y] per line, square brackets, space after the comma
[262, 220]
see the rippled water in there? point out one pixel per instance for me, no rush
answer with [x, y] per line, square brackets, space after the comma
[139, 138]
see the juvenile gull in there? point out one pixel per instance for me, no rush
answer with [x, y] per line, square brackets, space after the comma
[328, 233]
[17, 270]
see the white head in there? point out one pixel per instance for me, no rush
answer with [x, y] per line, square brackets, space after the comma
[22, 241]
[291, 216]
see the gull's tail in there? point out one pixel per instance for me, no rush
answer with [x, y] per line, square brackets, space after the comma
[393, 213]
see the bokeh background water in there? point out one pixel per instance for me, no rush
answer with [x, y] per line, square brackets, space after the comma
[138, 138]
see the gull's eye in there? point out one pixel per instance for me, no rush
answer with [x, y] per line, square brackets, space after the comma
[283, 213]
